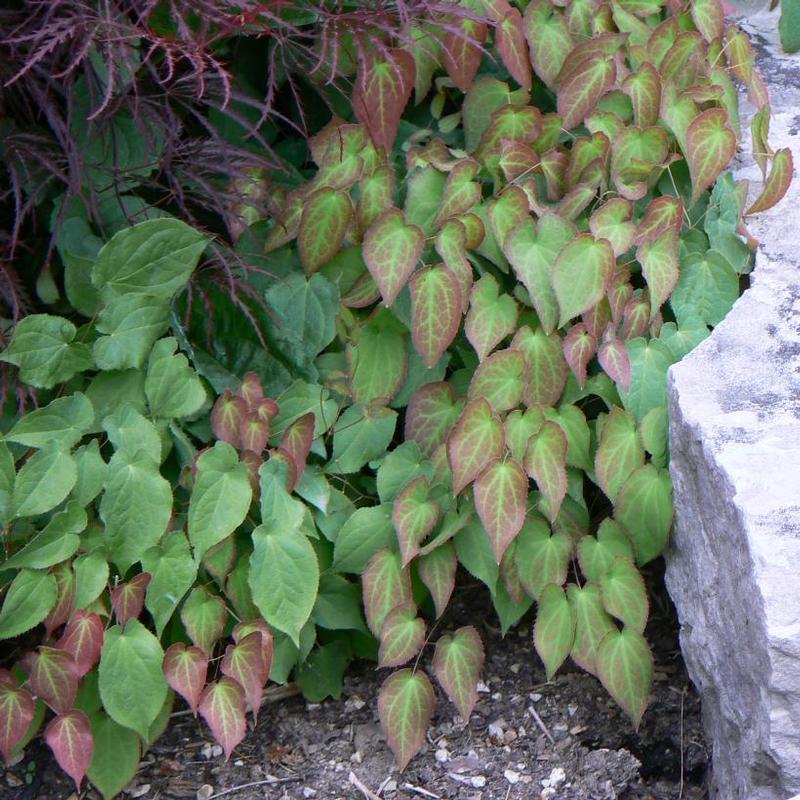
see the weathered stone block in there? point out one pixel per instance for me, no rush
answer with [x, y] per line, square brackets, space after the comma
[733, 568]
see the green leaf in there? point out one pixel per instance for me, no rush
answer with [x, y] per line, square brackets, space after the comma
[400, 466]
[659, 260]
[541, 558]
[56, 543]
[385, 584]
[405, 707]
[430, 415]
[592, 623]
[625, 668]
[366, 531]
[377, 359]
[91, 472]
[414, 516]
[284, 577]
[45, 479]
[402, 635]
[707, 288]
[545, 462]
[204, 616]
[499, 379]
[130, 433]
[29, 599]
[437, 570]
[136, 507]
[115, 756]
[644, 509]
[131, 324]
[435, 312]
[501, 495]
[547, 370]
[582, 87]
[654, 433]
[43, 348]
[554, 629]
[322, 674]
[61, 423]
[789, 26]
[624, 594]
[475, 553]
[132, 684]
[710, 148]
[650, 361]
[7, 478]
[619, 453]
[484, 97]
[220, 498]
[361, 434]
[477, 438]
[491, 316]
[91, 577]
[580, 275]
[596, 555]
[172, 387]
[572, 421]
[155, 257]
[423, 196]
[457, 664]
[644, 89]
[173, 572]
[549, 40]
[338, 605]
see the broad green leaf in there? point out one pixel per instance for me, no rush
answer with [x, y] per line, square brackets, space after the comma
[130, 432]
[430, 415]
[540, 557]
[789, 26]
[659, 260]
[592, 623]
[597, 554]
[222, 706]
[499, 379]
[220, 498]
[484, 97]
[477, 438]
[45, 479]
[136, 507]
[580, 275]
[707, 288]
[405, 707]
[547, 370]
[56, 543]
[777, 184]
[619, 453]
[298, 400]
[132, 684]
[501, 495]
[61, 423]
[155, 257]
[173, 572]
[44, 349]
[361, 434]
[323, 223]
[625, 668]
[475, 553]
[28, 600]
[491, 317]
[172, 387]
[655, 435]
[457, 663]
[519, 428]
[624, 594]
[106, 388]
[204, 616]
[545, 462]
[338, 604]
[399, 468]
[130, 324]
[710, 147]
[377, 359]
[385, 584]
[451, 245]
[414, 516]
[283, 577]
[435, 312]
[572, 421]
[321, 675]
[644, 509]
[460, 193]
[554, 630]
[91, 472]
[582, 87]
[367, 531]
[612, 221]
[437, 570]
[509, 609]
[644, 89]
[115, 757]
[709, 17]
[423, 196]
[7, 478]
[650, 361]
[91, 577]
[549, 40]
[402, 635]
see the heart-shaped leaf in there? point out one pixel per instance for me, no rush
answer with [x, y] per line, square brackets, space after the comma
[385, 584]
[581, 274]
[625, 668]
[592, 623]
[597, 554]
[70, 738]
[554, 629]
[326, 215]
[204, 615]
[437, 570]
[546, 369]
[127, 599]
[435, 312]
[612, 221]
[549, 40]
[414, 516]
[624, 594]
[462, 50]
[501, 495]
[659, 260]
[579, 349]
[83, 640]
[613, 358]
[402, 635]
[185, 668]
[510, 43]
[499, 379]
[541, 558]
[16, 715]
[457, 663]
[52, 677]
[244, 662]
[222, 707]
[405, 707]
[644, 89]
[476, 439]
[491, 316]
[545, 462]
[582, 87]
[430, 414]
[710, 147]
[777, 184]
[619, 452]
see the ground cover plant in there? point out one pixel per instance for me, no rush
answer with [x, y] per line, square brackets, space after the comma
[450, 352]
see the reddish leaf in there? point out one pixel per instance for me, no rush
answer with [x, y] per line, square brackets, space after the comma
[476, 439]
[546, 463]
[296, 441]
[185, 668]
[252, 393]
[326, 216]
[597, 319]
[549, 40]
[391, 251]
[243, 629]
[65, 597]
[457, 664]
[431, 413]
[644, 89]
[254, 433]
[516, 160]
[501, 495]
[83, 640]
[659, 260]
[435, 312]
[437, 570]
[499, 379]
[222, 707]
[614, 359]
[52, 677]
[547, 371]
[16, 714]
[405, 707]
[711, 146]
[709, 17]
[492, 316]
[451, 245]
[402, 636]
[511, 45]
[69, 736]
[778, 182]
[462, 51]
[385, 584]
[612, 221]
[579, 349]
[460, 193]
[635, 317]
[227, 416]
[244, 662]
[414, 516]
[253, 462]
[662, 214]
[384, 82]
[127, 599]
[582, 88]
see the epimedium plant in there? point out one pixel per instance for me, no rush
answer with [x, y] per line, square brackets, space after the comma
[469, 335]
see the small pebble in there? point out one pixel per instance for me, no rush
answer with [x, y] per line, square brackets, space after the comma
[139, 791]
[511, 776]
[535, 696]
[389, 786]
[357, 757]
[313, 706]
[515, 668]
[354, 703]
[442, 756]
[478, 782]
[204, 792]
[557, 776]
[547, 793]
[309, 792]
[497, 696]
[483, 688]
[496, 729]
[572, 710]
[238, 763]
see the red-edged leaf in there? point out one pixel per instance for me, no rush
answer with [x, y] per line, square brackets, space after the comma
[501, 495]
[65, 597]
[476, 439]
[462, 51]
[384, 82]
[509, 209]
[185, 668]
[635, 317]
[592, 623]
[619, 452]
[516, 160]
[662, 214]
[414, 516]
[437, 570]
[460, 193]
[500, 380]
[511, 45]
[582, 88]
[253, 462]
[52, 677]
[402, 635]
[581, 274]
[709, 18]
[83, 640]
[243, 629]
[683, 61]
[69, 736]
[597, 319]
[405, 707]
[614, 359]
[625, 668]
[254, 433]
[660, 267]
[326, 215]
[554, 629]
[391, 251]
[644, 89]
[547, 371]
[297, 439]
[244, 662]
[546, 463]
[251, 391]
[16, 714]
[492, 316]
[579, 349]
[612, 221]
[711, 146]
[435, 312]
[741, 60]
[222, 707]
[385, 584]
[226, 417]
[548, 38]
[777, 184]
[375, 195]
[127, 599]
[451, 245]
[431, 413]
[457, 663]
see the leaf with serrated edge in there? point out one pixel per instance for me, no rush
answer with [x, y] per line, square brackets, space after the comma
[592, 622]
[437, 570]
[203, 615]
[16, 715]
[624, 594]
[597, 554]
[222, 707]
[554, 629]
[326, 215]
[659, 260]
[402, 635]
[583, 87]
[619, 452]
[510, 43]
[405, 707]
[581, 274]
[545, 462]
[501, 495]
[612, 221]
[462, 50]
[69, 736]
[541, 558]
[547, 371]
[385, 584]
[52, 677]
[457, 663]
[244, 662]
[185, 668]
[83, 640]
[435, 312]
[492, 316]
[476, 439]
[711, 146]
[777, 184]
[414, 516]
[391, 251]
[625, 668]
[579, 349]
[127, 599]
[614, 359]
[499, 379]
